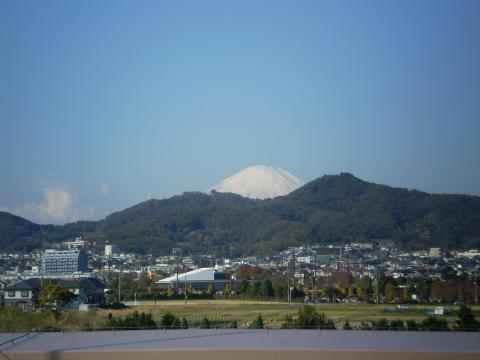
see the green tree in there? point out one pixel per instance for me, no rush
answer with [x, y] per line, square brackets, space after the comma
[53, 296]
[244, 287]
[257, 323]
[466, 320]
[266, 288]
[280, 291]
[347, 326]
[167, 320]
[184, 324]
[406, 294]
[111, 298]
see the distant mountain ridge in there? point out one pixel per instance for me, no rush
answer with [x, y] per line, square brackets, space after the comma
[330, 209]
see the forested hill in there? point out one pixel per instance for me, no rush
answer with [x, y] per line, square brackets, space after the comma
[331, 209]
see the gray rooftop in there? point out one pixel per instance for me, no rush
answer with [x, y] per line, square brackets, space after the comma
[245, 339]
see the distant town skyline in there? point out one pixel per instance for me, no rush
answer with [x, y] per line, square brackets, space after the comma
[106, 104]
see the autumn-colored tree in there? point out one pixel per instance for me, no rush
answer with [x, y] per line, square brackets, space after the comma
[227, 290]
[360, 291]
[340, 289]
[247, 272]
[170, 292]
[444, 291]
[390, 292]
[210, 290]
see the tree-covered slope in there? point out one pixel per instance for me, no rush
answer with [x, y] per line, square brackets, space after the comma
[331, 209]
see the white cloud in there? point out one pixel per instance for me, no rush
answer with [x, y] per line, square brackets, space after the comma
[104, 189]
[59, 206]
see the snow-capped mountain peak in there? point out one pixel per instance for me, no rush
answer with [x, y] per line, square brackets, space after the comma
[260, 182]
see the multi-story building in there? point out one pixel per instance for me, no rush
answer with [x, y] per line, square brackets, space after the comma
[64, 262]
[76, 244]
[435, 252]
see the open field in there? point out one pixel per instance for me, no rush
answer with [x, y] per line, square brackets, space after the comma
[221, 312]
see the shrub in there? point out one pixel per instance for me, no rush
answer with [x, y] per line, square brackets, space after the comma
[308, 318]
[233, 325]
[133, 321]
[205, 324]
[466, 320]
[432, 323]
[365, 326]
[381, 324]
[412, 325]
[257, 323]
[397, 325]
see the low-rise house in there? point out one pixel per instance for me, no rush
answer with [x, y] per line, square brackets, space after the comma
[23, 294]
[88, 290]
[3, 285]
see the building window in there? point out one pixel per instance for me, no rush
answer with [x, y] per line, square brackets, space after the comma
[11, 294]
[24, 293]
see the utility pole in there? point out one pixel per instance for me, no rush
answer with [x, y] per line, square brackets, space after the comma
[376, 284]
[340, 259]
[314, 295]
[185, 282]
[119, 281]
[290, 272]
[289, 293]
[476, 287]
[176, 252]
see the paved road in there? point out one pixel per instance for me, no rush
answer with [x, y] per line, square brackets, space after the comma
[246, 339]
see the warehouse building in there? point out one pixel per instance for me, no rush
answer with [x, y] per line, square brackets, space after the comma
[199, 279]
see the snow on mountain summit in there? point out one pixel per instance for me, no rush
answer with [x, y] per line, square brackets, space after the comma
[260, 182]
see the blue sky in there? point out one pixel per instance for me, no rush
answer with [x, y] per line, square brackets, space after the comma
[104, 104]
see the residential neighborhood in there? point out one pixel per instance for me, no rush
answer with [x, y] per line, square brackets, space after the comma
[355, 272]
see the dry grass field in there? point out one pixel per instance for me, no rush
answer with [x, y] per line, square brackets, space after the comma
[221, 312]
